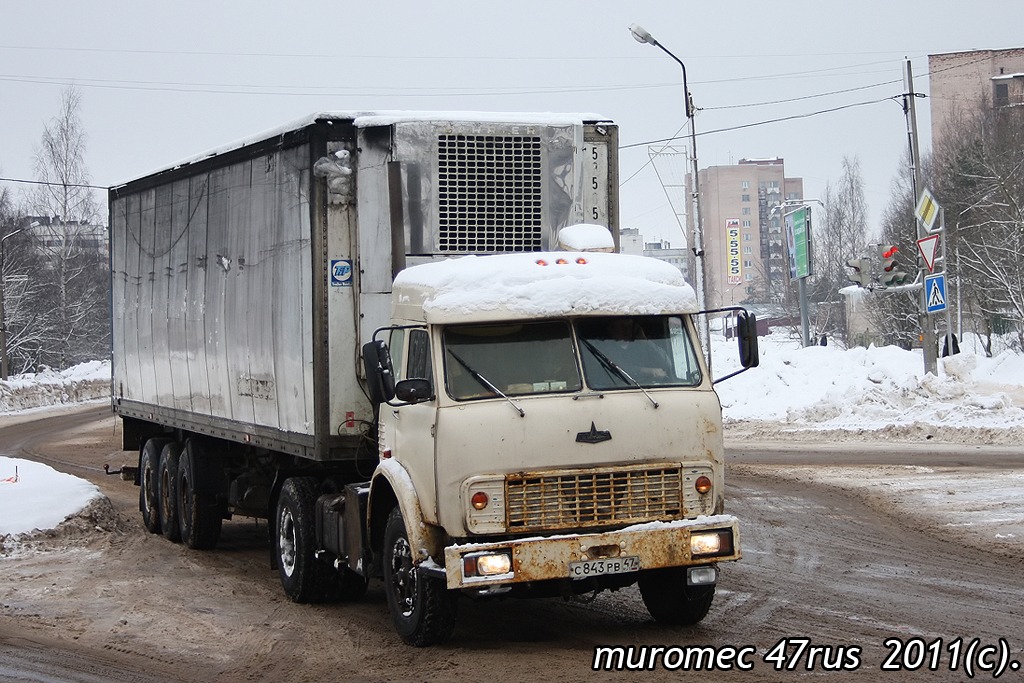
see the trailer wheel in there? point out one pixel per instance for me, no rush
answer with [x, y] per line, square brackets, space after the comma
[670, 601]
[303, 576]
[149, 484]
[168, 489]
[199, 513]
[422, 608]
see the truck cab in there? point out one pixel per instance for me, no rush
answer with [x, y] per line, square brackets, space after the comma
[549, 422]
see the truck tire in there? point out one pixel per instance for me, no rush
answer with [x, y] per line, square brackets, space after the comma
[199, 513]
[303, 576]
[422, 609]
[168, 490]
[149, 484]
[670, 601]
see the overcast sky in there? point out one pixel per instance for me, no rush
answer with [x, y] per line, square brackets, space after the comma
[164, 81]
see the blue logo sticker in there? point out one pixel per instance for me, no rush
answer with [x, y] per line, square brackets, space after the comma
[341, 272]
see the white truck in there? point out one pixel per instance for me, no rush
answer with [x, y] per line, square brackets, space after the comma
[401, 339]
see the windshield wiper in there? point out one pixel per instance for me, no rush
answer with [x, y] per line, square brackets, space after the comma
[485, 383]
[609, 364]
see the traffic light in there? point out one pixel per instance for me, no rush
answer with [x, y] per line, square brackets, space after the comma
[890, 273]
[861, 271]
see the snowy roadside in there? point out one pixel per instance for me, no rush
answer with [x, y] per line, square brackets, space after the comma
[48, 387]
[880, 395]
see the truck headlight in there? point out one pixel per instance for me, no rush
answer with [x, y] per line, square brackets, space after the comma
[716, 542]
[487, 563]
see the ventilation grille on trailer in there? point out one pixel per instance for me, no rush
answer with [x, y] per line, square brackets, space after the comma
[489, 193]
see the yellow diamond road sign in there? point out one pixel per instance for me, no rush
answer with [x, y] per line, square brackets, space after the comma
[927, 210]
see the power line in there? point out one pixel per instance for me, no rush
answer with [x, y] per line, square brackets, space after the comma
[43, 182]
[762, 123]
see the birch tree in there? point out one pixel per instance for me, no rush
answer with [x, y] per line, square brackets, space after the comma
[80, 282]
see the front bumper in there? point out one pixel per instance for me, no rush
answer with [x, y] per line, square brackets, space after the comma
[657, 545]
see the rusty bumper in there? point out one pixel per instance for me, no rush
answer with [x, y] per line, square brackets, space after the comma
[654, 545]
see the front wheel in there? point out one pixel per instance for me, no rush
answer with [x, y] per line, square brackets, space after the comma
[422, 608]
[670, 600]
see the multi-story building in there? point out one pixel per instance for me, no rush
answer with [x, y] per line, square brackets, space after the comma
[663, 251]
[959, 82]
[631, 241]
[53, 235]
[745, 248]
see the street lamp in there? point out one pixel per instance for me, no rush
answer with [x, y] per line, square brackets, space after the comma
[3, 319]
[697, 242]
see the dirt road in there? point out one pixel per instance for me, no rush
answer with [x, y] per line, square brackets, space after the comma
[103, 600]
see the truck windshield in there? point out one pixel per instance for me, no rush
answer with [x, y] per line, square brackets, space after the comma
[621, 352]
[517, 359]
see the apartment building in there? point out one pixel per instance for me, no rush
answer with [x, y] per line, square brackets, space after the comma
[745, 247]
[961, 81]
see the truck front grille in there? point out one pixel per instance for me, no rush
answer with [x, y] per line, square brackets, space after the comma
[589, 498]
[489, 190]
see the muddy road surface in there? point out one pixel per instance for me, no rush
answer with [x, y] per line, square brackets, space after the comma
[100, 599]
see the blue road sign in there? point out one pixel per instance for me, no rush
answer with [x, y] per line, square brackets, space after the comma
[935, 292]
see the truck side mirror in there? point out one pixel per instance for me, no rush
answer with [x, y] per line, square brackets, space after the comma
[746, 334]
[414, 390]
[380, 374]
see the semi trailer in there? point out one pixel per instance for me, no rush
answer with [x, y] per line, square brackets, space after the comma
[407, 341]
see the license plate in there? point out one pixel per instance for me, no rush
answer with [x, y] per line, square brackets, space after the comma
[612, 565]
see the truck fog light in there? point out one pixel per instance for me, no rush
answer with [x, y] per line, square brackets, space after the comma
[703, 484]
[479, 500]
[701, 576]
[487, 564]
[707, 543]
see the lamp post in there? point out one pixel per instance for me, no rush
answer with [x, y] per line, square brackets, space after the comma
[3, 318]
[697, 240]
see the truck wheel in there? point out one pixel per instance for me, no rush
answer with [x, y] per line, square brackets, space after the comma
[422, 608]
[304, 578]
[168, 490]
[199, 514]
[149, 484]
[670, 600]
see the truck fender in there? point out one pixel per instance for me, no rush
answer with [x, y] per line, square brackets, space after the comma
[392, 485]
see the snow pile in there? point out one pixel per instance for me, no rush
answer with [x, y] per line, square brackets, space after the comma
[36, 496]
[828, 388]
[541, 284]
[51, 387]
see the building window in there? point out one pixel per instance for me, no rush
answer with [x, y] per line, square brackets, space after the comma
[749, 277]
[1002, 94]
[746, 210]
[748, 264]
[745, 198]
[746, 237]
[746, 224]
[745, 184]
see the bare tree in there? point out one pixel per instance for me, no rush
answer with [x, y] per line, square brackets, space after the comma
[981, 186]
[841, 235]
[79, 295]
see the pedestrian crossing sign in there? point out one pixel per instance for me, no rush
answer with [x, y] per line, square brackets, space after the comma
[935, 292]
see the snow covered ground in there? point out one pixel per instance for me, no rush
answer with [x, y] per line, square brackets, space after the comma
[819, 392]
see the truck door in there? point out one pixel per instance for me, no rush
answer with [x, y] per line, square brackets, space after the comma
[414, 424]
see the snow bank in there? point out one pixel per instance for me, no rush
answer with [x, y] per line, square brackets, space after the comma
[34, 496]
[829, 388]
[51, 387]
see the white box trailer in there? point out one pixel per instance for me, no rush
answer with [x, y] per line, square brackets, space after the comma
[259, 331]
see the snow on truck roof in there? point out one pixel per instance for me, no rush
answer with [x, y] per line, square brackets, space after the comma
[540, 285]
[368, 119]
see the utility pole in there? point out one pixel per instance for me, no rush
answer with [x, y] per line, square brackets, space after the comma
[927, 331]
